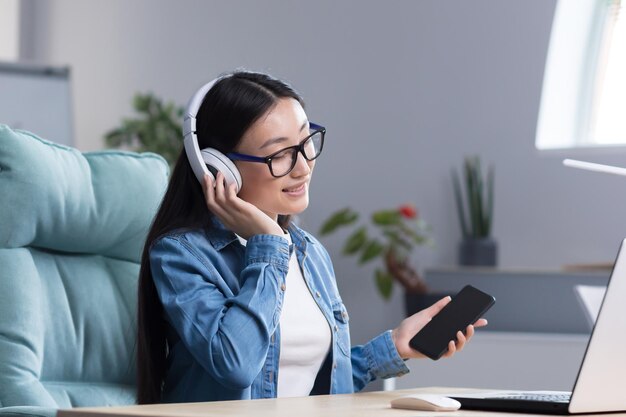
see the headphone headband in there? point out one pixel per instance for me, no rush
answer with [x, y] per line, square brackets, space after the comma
[198, 159]
[193, 106]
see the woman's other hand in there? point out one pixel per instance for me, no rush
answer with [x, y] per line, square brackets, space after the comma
[241, 217]
[410, 326]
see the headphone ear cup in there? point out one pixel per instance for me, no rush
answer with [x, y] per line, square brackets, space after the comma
[217, 161]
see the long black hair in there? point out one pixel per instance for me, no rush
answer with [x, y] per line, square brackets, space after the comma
[230, 107]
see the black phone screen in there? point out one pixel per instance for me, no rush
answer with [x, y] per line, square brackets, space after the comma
[465, 308]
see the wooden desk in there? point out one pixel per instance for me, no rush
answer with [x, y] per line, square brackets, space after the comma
[366, 404]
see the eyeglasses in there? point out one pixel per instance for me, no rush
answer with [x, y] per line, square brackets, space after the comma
[282, 162]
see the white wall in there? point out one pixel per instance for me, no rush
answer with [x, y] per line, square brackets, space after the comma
[405, 88]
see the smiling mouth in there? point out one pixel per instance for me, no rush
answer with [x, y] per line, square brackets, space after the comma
[295, 189]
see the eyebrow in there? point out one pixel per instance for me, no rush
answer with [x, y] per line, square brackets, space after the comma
[282, 138]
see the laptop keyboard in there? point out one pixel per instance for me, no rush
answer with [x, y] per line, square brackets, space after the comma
[552, 398]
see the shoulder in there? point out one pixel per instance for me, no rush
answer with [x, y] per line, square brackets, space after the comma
[180, 242]
[200, 237]
[180, 252]
[179, 236]
[200, 243]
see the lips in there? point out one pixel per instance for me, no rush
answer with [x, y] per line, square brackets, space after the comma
[295, 189]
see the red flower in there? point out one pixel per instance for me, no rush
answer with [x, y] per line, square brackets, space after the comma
[408, 211]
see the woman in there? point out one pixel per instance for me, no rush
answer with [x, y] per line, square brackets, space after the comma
[235, 301]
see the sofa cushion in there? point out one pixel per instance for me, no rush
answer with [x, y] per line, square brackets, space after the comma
[55, 197]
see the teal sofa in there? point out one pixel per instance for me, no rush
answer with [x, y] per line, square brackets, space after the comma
[72, 227]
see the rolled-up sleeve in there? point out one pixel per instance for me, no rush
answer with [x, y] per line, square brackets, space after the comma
[378, 358]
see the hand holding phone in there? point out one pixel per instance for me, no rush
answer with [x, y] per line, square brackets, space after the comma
[465, 308]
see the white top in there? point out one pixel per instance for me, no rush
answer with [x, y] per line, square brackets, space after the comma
[305, 334]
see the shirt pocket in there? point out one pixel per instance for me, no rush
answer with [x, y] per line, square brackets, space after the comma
[341, 328]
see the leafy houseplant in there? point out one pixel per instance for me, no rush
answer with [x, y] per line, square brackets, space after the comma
[391, 236]
[157, 128]
[475, 211]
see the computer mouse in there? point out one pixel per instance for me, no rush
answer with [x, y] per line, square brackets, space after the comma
[426, 402]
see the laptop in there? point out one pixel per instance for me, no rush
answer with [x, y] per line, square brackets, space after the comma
[601, 382]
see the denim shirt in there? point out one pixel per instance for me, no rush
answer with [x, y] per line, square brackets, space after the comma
[222, 304]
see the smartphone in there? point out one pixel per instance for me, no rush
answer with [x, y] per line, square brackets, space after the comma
[465, 308]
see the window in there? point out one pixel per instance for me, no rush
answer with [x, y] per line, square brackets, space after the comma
[584, 86]
[9, 30]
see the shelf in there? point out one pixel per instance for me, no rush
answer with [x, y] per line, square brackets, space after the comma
[531, 301]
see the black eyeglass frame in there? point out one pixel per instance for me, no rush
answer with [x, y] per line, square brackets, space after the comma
[235, 156]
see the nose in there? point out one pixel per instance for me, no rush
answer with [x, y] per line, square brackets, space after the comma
[302, 167]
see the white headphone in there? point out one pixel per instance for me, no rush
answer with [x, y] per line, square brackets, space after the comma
[208, 160]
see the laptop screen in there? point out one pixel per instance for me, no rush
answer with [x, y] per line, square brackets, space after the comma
[601, 382]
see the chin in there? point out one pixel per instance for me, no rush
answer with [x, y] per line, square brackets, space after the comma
[293, 209]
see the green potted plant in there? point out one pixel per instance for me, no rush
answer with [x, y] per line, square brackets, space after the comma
[390, 236]
[475, 212]
[157, 128]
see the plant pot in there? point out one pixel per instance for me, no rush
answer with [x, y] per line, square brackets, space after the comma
[417, 302]
[478, 252]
